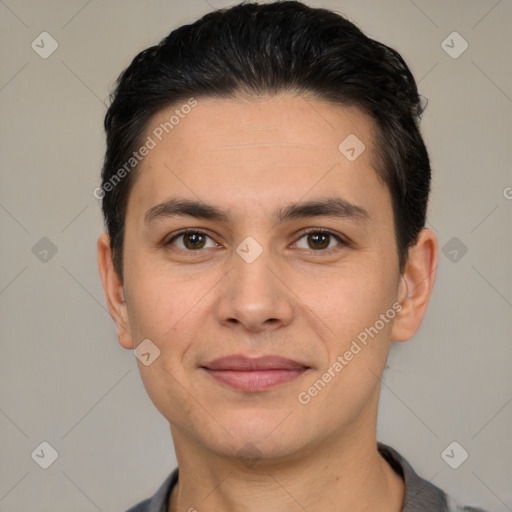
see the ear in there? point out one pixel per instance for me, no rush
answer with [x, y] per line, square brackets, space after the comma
[113, 288]
[417, 283]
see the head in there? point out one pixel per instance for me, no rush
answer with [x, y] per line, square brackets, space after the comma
[289, 141]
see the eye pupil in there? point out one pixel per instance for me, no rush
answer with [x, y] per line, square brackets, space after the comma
[319, 237]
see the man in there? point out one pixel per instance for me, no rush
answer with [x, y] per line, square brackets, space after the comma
[265, 189]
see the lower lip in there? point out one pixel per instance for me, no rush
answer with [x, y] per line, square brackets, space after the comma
[255, 380]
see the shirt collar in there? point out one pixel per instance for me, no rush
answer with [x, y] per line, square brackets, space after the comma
[420, 494]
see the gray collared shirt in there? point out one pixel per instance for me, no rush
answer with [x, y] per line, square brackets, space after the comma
[420, 494]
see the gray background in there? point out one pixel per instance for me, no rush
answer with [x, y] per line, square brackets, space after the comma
[64, 378]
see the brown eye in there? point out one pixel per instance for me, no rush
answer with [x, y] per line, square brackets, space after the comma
[319, 240]
[191, 240]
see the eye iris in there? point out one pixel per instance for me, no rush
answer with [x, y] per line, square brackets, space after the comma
[316, 240]
[319, 240]
[196, 240]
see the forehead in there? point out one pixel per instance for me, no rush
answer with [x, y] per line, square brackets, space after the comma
[260, 149]
[287, 120]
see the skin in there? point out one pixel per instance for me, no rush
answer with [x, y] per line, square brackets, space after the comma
[251, 156]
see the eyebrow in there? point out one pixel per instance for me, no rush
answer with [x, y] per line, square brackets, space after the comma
[329, 207]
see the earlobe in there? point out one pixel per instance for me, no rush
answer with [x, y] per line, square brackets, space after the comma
[114, 293]
[417, 283]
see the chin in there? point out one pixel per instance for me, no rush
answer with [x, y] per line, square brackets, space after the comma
[261, 436]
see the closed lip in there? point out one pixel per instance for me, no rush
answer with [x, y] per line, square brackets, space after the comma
[243, 363]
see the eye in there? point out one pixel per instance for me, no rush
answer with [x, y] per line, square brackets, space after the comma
[318, 240]
[315, 239]
[192, 240]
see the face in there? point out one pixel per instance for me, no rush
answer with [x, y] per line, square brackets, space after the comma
[291, 253]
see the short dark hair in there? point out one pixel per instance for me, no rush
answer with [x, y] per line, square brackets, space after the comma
[257, 49]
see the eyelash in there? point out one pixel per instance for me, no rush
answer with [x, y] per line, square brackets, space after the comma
[339, 239]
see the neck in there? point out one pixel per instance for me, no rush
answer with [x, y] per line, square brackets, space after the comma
[344, 474]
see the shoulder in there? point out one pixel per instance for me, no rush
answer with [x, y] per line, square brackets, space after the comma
[420, 494]
[159, 501]
[143, 506]
[454, 506]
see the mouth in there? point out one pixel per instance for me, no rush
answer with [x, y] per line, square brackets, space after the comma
[254, 374]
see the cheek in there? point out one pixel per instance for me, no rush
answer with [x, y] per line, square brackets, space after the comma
[351, 300]
[156, 306]
[166, 307]
[358, 334]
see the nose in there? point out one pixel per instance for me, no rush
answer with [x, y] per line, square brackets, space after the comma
[253, 296]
